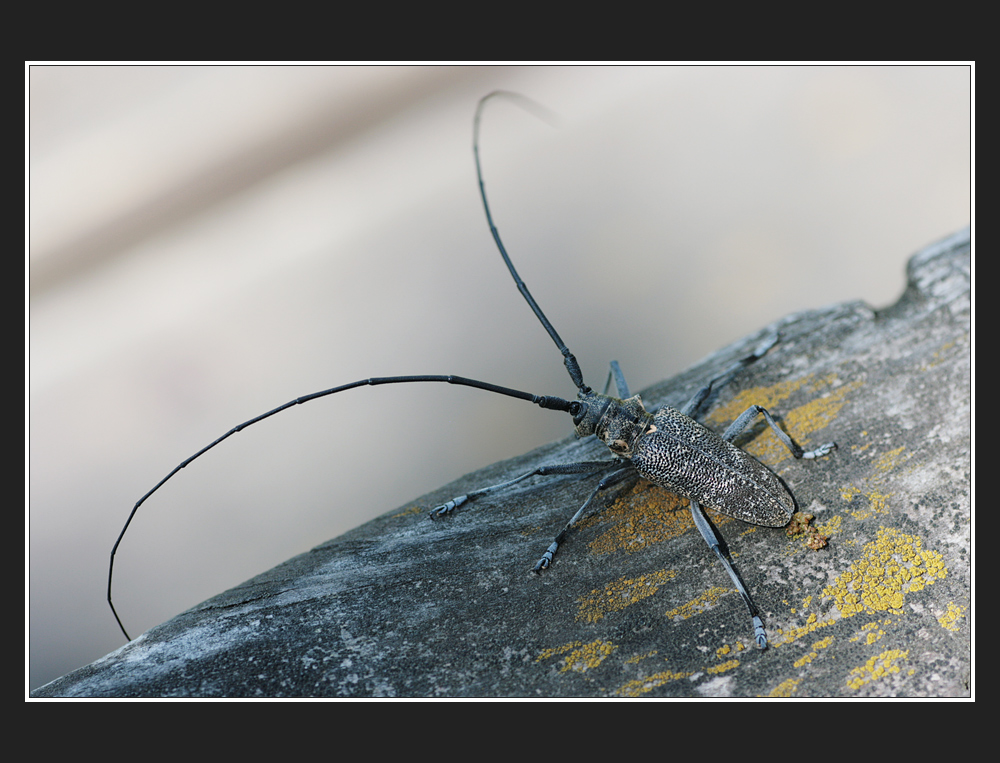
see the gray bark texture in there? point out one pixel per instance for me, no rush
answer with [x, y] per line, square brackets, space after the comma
[635, 604]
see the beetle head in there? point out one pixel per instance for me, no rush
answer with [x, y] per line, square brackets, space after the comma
[617, 423]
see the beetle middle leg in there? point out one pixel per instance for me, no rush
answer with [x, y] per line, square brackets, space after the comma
[695, 403]
[621, 474]
[626, 472]
[744, 419]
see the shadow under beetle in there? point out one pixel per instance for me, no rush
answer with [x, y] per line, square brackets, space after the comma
[665, 446]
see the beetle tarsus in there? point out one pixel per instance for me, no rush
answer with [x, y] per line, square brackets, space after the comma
[447, 508]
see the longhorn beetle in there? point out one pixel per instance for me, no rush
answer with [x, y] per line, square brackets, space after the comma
[665, 446]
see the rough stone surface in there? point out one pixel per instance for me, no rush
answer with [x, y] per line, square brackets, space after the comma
[635, 603]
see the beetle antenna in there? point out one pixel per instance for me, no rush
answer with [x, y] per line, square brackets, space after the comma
[568, 358]
[543, 401]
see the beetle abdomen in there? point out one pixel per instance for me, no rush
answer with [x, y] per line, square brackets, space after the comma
[685, 457]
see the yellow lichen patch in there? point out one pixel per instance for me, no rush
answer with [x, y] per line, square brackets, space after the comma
[639, 657]
[645, 515]
[871, 633]
[642, 685]
[831, 527]
[408, 512]
[620, 593]
[766, 397]
[799, 422]
[874, 486]
[582, 657]
[785, 688]
[813, 623]
[723, 650]
[878, 502]
[730, 665]
[703, 602]
[555, 651]
[942, 356]
[950, 618]
[891, 460]
[891, 566]
[821, 644]
[876, 668]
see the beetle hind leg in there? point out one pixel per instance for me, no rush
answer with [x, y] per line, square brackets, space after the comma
[701, 522]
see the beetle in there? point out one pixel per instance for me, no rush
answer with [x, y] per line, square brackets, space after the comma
[666, 446]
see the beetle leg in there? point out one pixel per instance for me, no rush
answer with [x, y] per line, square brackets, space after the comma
[701, 522]
[620, 384]
[744, 419]
[581, 467]
[692, 406]
[612, 479]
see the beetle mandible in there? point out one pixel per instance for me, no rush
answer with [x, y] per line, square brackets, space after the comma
[666, 446]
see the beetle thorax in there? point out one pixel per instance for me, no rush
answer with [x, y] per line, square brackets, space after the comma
[617, 423]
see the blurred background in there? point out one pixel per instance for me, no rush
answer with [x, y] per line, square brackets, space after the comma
[207, 243]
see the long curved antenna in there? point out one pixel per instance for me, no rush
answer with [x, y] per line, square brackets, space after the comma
[552, 403]
[568, 358]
